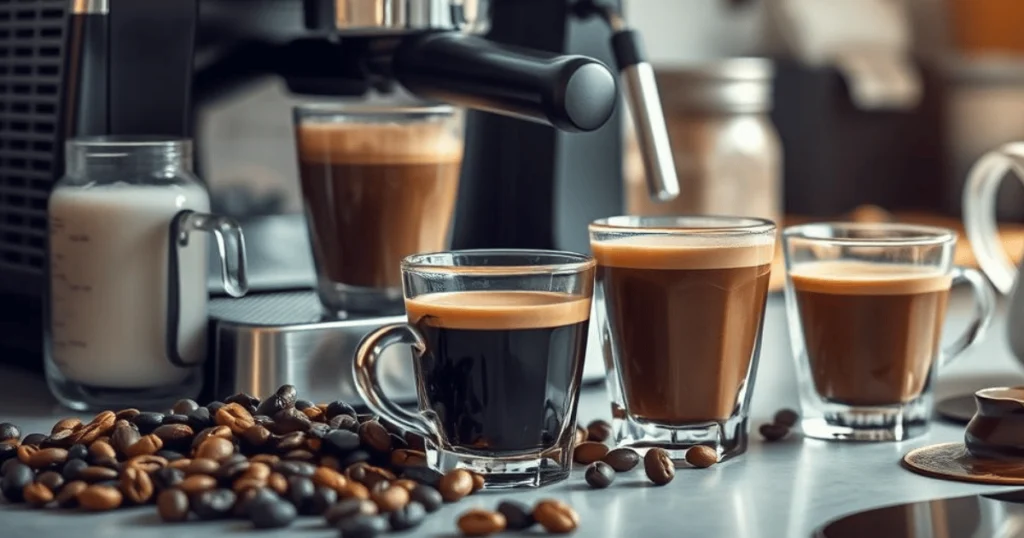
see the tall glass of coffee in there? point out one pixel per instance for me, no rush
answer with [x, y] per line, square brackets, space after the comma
[378, 184]
[866, 305]
[498, 339]
[680, 303]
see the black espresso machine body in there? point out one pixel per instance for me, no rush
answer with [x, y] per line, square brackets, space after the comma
[92, 67]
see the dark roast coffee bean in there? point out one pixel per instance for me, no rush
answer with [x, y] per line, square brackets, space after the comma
[213, 407]
[200, 419]
[363, 527]
[340, 442]
[263, 420]
[272, 405]
[7, 452]
[300, 492]
[172, 505]
[167, 478]
[322, 499]
[14, 481]
[175, 419]
[52, 480]
[589, 452]
[339, 407]
[174, 434]
[556, 517]
[295, 468]
[272, 514]
[356, 456]
[34, 439]
[423, 475]
[231, 470]
[289, 420]
[599, 430]
[427, 497]
[398, 442]
[72, 468]
[61, 439]
[256, 435]
[68, 496]
[344, 422]
[786, 417]
[659, 467]
[9, 432]
[518, 516]
[773, 432]
[374, 436]
[622, 459]
[599, 475]
[184, 407]
[349, 508]
[147, 422]
[701, 456]
[7, 465]
[170, 455]
[213, 504]
[302, 405]
[407, 517]
[479, 522]
[76, 452]
[289, 442]
[126, 414]
[248, 402]
[125, 435]
[455, 485]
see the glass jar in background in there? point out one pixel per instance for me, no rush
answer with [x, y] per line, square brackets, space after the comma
[126, 306]
[727, 151]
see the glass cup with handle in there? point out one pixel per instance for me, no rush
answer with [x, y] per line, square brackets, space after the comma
[866, 306]
[498, 339]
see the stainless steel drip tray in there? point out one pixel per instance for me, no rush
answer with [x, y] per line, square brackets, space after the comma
[266, 340]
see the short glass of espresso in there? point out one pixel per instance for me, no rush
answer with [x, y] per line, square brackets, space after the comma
[379, 183]
[680, 305]
[498, 338]
[866, 305]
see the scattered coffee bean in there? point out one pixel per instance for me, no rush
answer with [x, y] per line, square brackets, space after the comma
[659, 467]
[25, 453]
[300, 493]
[48, 457]
[407, 517]
[272, 514]
[374, 436]
[202, 466]
[68, 496]
[51, 479]
[256, 435]
[290, 441]
[518, 516]
[289, 420]
[339, 407]
[9, 432]
[323, 498]
[406, 483]
[61, 439]
[101, 451]
[175, 419]
[213, 504]
[99, 498]
[622, 459]
[184, 407]
[363, 527]
[78, 452]
[786, 417]
[302, 405]
[312, 413]
[72, 468]
[328, 478]
[17, 476]
[556, 517]
[427, 496]
[599, 431]
[136, 486]
[7, 465]
[146, 445]
[234, 416]
[176, 435]
[126, 414]
[701, 456]
[147, 422]
[37, 495]
[356, 456]
[278, 483]
[172, 505]
[215, 448]
[455, 485]
[349, 508]
[167, 478]
[344, 422]
[197, 483]
[245, 401]
[353, 490]
[773, 432]
[275, 403]
[213, 407]
[72, 424]
[479, 522]
[125, 435]
[34, 439]
[95, 473]
[478, 482]
[170, 455]
[599, 475]
[391, 498]
[8, 452]
[589, 452]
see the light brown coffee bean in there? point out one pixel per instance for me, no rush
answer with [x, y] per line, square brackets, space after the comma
[278, 483]
[171, 434]
[100, 498]
[455, 485]
[101, 425]
[244, 484]
[701, 456]
[391, 499]
[404, 457]
[589, 452]
[599, 431]
[353, 490]
[95, 473]
[234, 416]
[269, 459]
[407, 484]
[622, 459]
[215, 448]
[478, 482]
[213, 431]
[479, 522]
[101, 450]
[314, 413]
[556, 517]
[149, 464]
[197, 484]
[125, 434]
[37, 495]
[127, 414]
[257, 471]
[25, 453]
[172, 505]
[299, 455]
[47, 457]
[182, 464]
[66, 424]
[136, 485]
[329, 478]
[202, 466]
[659, 466]
[375, 436]
[61, 439]
[68, 496]
[256, 435]
[149, 444]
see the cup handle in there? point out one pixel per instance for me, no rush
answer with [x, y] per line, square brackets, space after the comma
[233, 276]
[984, 310]
[980, 212]
[364, 371]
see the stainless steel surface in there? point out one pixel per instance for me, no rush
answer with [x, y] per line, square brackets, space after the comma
[777, 490]
[90, 6]
[390, 16]
[652, 135]
[961, 517]
[737, 85]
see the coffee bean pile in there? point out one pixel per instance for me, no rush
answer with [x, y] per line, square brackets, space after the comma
[554, 516]
[781, 425]
[265, 461]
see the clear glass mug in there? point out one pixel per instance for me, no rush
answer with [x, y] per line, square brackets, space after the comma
[499, 339]
[865, 305]
[680, 306]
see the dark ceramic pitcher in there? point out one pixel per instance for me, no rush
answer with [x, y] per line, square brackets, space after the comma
[997, 429]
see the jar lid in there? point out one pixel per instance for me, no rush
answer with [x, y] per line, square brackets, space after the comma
[734, 85]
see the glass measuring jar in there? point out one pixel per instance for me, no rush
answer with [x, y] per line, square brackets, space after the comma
[126, 305]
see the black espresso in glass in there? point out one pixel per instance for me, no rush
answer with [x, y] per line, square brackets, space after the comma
[498, 338]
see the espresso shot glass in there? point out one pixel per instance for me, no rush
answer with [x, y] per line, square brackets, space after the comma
[866, 305]
[680, 305]
[379, 183]
[498, 340]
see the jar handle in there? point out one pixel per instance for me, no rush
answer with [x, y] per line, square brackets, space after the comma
[233, 276]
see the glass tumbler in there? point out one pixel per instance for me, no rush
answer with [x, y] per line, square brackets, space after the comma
[866, 304]
[680, 304]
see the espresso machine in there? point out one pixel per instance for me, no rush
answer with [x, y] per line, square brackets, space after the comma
[541, 80]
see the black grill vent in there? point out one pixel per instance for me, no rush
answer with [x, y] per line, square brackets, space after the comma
[31, 62]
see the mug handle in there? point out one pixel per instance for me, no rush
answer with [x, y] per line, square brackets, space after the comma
[984, 310]
[364, 371]
[233, 276]
[980, 212]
